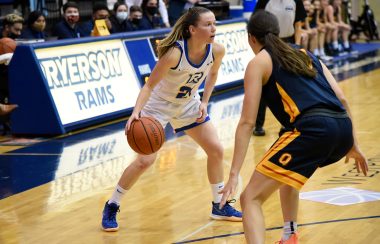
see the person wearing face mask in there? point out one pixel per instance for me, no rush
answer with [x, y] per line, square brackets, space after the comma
[69, 26]
[119, 17]
[12, 26]
[35, 28]
[135, 21]
[162, 9]
[151, 15]
[99, 11]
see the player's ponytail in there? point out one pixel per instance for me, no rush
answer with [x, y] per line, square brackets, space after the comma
[181, 29]
[265, 28]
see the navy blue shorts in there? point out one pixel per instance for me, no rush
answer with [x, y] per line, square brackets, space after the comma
[315, 142]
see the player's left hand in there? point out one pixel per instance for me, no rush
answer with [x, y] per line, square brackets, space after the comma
[228, 190]
[202, 113]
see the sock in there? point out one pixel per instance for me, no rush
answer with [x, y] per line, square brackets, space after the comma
[346, 44]
[316, 52]
[289, 229]
[322, 52]
[215, 188]
[117, 194]
[335, 45]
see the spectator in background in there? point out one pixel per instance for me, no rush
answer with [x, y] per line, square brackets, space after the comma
[334, 16]
[178, 7]
[163, 11]
[135, 21]
[322, 29]
[12, 26]
[310, 28]
[331, 30]
[35, 26]
[291, 13]
[99, 11]
[69, 26]
[119, 17]
[151, 15]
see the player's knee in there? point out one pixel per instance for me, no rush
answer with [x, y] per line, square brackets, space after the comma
[216, 151]
[145, 162]
[247, 199]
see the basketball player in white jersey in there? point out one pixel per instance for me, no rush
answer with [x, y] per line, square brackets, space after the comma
[187, 57]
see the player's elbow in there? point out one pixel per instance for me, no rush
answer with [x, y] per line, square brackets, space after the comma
[247, 123]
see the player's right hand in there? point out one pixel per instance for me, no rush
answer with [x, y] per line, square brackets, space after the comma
[228, 190]
[134, 116]
[360, 160]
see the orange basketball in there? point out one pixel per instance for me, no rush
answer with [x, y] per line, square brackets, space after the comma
[146, 135]
[7, 45]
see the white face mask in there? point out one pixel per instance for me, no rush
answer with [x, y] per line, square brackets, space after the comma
[121, 16]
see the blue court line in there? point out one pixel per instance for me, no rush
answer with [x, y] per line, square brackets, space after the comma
[280, 227]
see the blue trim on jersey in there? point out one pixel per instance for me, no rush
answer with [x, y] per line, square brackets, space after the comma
[179, 61]
[187, 55]
[195, 124]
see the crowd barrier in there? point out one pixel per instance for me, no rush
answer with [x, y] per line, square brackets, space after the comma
[66, 85]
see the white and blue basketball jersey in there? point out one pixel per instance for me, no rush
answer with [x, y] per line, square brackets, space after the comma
[182, 82]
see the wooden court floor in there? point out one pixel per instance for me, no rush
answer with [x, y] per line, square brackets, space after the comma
[172, 200]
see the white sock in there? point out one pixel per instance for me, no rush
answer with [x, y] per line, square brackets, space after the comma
[215, 188]
[316, 52]
[289, 229]
[117, 194]
[335, 45]
[322, 52]
[346, 44]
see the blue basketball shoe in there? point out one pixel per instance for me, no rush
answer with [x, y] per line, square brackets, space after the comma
[109, 222]
[228, 212]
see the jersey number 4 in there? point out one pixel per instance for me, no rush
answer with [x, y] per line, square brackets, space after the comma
[185, 91]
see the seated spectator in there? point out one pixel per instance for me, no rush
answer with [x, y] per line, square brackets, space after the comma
[35, 26]
[331, 43]
[310, 28]
[150, 14]
[162, 9]
[99, 11]
[69, 26]
[135, 21]
[12, 26]
[119, 17]
[334, 13]
[5, 108]
[322, 29]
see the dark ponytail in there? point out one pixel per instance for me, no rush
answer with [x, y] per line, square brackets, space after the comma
[264, 26]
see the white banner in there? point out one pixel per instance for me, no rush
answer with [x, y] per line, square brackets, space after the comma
[234, 38]
[90, 79]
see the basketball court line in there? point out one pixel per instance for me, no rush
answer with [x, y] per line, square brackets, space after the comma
[237, 193]
[280, 227]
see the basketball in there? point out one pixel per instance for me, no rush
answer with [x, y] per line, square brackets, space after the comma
[7, 45]
[146, 135]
